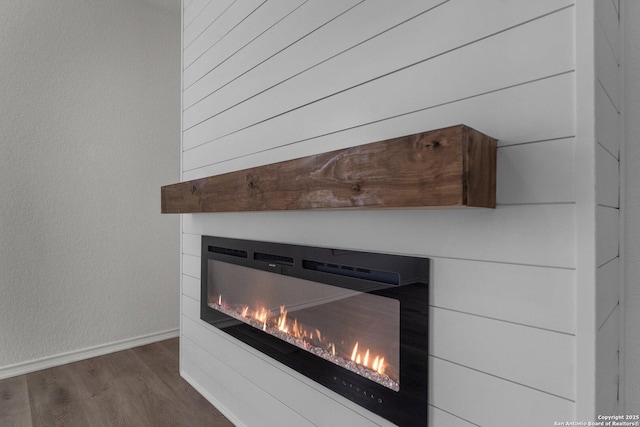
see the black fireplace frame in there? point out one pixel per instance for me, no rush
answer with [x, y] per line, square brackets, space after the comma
[403, 278]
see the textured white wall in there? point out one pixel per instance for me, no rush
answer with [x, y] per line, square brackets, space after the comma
[632, 224]
[89, 124]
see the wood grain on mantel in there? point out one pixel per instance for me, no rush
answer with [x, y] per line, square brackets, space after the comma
[450, 167]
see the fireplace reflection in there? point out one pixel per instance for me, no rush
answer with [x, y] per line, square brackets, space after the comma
[355, 330]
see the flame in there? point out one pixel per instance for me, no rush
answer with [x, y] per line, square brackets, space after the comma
[360, 356]
[282, 320]
[296, 329]
[261, 316]
[378, 362]
[354, 353]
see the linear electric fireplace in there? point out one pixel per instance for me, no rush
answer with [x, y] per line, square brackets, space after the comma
[355, 322]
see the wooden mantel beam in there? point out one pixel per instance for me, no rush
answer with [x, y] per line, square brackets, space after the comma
[450, 167]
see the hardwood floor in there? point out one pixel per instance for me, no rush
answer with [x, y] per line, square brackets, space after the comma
[136, 387]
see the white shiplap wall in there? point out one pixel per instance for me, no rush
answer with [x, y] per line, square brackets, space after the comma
[267, 81]
[608, 104]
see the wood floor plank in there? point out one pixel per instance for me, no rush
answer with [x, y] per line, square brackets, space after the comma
[14, 402]
[159, 359]
[146, 397]
[154, 402]
[172, 345]
[164, 363]
[101, 400]
[138, 387]
[54, 399]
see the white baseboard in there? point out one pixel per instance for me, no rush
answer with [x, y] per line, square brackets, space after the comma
[86, 353]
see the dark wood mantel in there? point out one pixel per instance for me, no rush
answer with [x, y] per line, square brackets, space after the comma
[450, 167]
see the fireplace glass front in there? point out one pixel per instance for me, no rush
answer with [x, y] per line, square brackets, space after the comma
[355, 322]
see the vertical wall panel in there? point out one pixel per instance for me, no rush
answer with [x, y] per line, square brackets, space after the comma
[607, 19]
[607, 178]
[608, 122]
[607, 68]
[630, 267]
[607, 290]
[607, 370]
[608, 104]
[607, 234]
